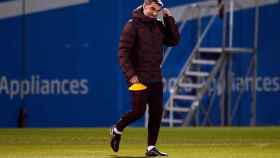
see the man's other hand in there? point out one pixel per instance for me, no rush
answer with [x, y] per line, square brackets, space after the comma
[134, 79]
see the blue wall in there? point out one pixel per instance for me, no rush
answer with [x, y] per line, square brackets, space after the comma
[78, 45]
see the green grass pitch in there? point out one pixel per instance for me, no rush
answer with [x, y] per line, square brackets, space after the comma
[177, 142]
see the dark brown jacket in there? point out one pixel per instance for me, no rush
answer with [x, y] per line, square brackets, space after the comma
[140, 47]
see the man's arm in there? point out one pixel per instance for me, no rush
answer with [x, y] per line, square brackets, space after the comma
[126, 43]
[172, 35]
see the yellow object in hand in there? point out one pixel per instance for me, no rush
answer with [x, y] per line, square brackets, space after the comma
[137, 87]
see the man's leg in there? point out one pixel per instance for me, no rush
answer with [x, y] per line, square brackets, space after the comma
[155, 112]
[139, 100]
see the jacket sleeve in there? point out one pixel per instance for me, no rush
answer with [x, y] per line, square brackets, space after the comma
[172, 36]
[127, 40]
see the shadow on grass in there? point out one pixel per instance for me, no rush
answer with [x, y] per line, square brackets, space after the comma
[117, 156]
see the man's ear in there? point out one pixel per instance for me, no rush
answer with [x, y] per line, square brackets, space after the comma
[144, 6]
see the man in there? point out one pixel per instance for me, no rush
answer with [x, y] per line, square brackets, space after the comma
[140, 56]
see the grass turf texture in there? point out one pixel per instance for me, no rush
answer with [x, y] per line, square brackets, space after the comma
[177, 142]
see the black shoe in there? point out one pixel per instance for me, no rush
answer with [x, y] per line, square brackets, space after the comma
[115, 140]
[154, 152]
